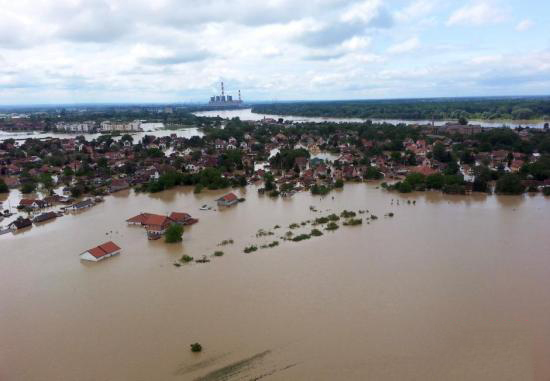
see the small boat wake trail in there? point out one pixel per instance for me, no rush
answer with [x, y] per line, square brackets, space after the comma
[242, 370]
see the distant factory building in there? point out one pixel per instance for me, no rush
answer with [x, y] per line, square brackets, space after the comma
[223, 100]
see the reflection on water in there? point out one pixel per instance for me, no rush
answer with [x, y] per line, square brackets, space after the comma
[452, 288]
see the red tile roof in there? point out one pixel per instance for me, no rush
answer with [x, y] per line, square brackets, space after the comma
[97, 252]
[104, 249]
[109, 247]
[140, 218]
[179, 216]
[424, 170]
[229, 197]
[157, 220]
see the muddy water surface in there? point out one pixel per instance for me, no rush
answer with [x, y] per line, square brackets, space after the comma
[453, 288]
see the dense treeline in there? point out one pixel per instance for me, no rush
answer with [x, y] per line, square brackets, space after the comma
[418, 109]
[210, 178]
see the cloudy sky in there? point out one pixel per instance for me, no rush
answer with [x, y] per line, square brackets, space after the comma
[73, 51]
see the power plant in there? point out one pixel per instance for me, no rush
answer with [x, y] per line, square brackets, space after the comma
[225, 100]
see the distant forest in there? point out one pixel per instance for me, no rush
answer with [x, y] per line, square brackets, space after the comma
[418, 109]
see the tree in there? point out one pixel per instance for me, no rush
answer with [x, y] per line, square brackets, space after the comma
[510, 183]
[452, 168]
[67, 171]
[76, 192]
[3, 187]
[127, 137]
[405, 187]
[482, 177]
[46, 180]
[373, 173]
[269, 181]
[463, 121]
[103, 162]
[28, 187]
[415, 179]
[435, 181]
[467, 157]
[196, 347]
[174, 233]
[440, 153]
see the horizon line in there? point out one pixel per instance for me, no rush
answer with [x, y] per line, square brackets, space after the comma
[262, 101]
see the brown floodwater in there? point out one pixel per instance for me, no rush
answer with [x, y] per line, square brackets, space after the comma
[452, 288]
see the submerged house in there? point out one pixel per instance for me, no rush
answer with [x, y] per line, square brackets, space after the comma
[44, 217]
[227, 200]
[82, 205]
[156, 225]
[20, 223]
[183, 218]
[95, 254]
[29, 203]
[139, 219]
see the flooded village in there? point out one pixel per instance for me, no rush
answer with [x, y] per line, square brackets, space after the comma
[322, 190]
[305, 250]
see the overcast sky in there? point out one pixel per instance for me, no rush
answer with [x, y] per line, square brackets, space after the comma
[71, 51]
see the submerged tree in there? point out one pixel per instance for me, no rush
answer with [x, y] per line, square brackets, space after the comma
[174, 233]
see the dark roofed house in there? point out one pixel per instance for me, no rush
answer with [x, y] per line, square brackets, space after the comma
[82, 205]
[50, 200]
[41, 204]
[106, 250]
[20, 223]
[44, 217]
[227, 200]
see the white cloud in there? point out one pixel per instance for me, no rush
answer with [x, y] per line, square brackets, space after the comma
[365, 11]
[406, 46]
[357, 43]
[487, 59]
[524, 25]
[415, 10]
[477, 13]
[178, 50]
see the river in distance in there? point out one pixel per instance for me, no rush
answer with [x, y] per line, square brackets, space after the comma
[247, 114]
[450, 288]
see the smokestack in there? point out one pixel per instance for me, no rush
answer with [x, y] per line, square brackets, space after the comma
[240, 96]
[223, 93]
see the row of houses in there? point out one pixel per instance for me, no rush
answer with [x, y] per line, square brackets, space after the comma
[22, 222]
[84, 127]
[108, 126]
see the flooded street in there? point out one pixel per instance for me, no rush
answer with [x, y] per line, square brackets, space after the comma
[452, 288]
